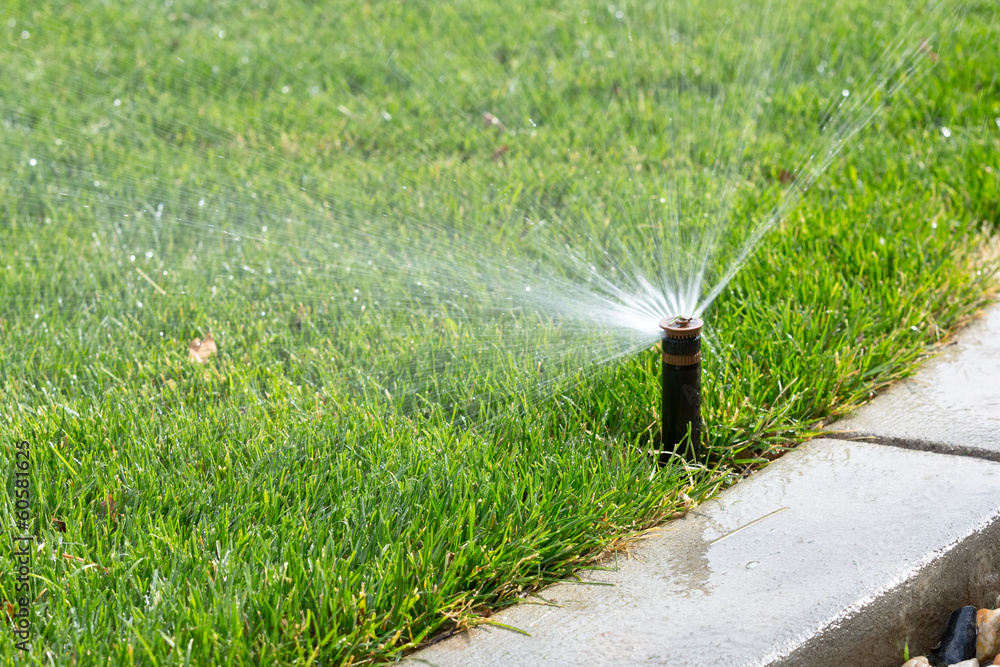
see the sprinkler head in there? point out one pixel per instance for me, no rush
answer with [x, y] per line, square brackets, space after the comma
[681, 326]
[681, 340]
[681, 388]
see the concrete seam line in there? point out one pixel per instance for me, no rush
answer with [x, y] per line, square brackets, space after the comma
[916, 445]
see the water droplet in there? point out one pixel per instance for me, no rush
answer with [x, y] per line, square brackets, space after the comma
[118, 102]
[58, 142]
[32, 162]
[933, 225]
[149, 254]
[284, 89]
[752, 564]
[527, 289]
[97, 184]
[131, 258]
[846, 93]
[222, 34]
[25, 34]
[264, 228]
[386, 115]
[946, 132]
[663, 200]
[11, 23]
[201, 202]
[139, 303]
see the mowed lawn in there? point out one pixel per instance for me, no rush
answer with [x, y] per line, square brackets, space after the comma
[385, 445]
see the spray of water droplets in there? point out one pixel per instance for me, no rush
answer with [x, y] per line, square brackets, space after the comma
[445, 212]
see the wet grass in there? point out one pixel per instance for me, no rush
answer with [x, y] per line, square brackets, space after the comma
[365, 464]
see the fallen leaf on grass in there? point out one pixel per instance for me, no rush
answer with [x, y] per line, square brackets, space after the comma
[59, 525]
[10, 610]
[489, 120]
[498, 153]
[108, 508]
[200, 349]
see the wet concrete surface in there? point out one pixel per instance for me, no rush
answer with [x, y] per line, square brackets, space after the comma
[828, 556]
[951, 405]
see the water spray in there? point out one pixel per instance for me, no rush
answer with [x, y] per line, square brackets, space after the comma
[681, 394]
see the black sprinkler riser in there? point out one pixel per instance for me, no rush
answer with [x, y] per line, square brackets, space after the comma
[681, 411]
[681, 389]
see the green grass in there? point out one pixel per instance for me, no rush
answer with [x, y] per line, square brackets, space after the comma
[338, 484]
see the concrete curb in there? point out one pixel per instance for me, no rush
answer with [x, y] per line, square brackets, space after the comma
[914, 612]
[835, 554]
[951, 406]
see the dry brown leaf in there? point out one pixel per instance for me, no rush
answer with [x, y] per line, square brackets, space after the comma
[200, 349]
[489, 120]
[108, 508]
[498, 153]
